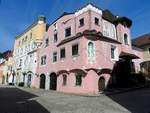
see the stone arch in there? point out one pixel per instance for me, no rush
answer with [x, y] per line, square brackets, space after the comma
[53, 81]
[42, 81]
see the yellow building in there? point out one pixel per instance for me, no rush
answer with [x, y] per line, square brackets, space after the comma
[25, 55]
[144, 43]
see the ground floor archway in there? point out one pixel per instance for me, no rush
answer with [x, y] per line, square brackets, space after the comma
[101, 84]
[42, 81]
[53, 81]
[29, 79]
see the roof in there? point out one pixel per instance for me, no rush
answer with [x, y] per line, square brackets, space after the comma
[124, 21]
[128, 55]
[142, 40]
[107, 15]
[6, 54]
[62, 15]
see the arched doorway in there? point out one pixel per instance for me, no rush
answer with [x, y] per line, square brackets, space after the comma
[42, 81]
[53, 81]
[29, 80]
[101, 84]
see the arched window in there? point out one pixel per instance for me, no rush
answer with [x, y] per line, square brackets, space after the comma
[90, 50]
[64, 80]
[126, 39]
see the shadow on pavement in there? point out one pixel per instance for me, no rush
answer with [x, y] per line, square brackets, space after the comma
[13, 100]
[137, 101]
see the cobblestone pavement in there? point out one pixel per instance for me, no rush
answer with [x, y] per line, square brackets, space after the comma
[56, 102]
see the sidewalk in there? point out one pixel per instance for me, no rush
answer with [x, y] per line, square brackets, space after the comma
[56, 102]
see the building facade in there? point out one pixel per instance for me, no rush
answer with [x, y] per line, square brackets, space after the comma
[81, 50]
[25, 52]
[6, 65]
[143, 42]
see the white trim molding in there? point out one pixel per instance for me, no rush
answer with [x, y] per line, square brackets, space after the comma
[87, 8]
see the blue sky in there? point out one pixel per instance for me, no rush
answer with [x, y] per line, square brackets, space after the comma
[16, 15]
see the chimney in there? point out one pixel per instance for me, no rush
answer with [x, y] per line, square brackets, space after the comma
[41, 19]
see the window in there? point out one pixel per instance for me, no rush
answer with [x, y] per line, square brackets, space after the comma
[149, 50]
[81, 22]
[55, 37]
[22, 41]
[125, 39]
[96, 21]
[30, 36]
[62, 53]
[68, 32]
[114, 54]
[75, 49]
[55, 57]
[26, 39]
[46, 42]
[91, 50]
[64, 80]
[43, 60]
[78, 79]
[20, 64]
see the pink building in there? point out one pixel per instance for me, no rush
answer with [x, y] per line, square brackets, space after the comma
[80, 51]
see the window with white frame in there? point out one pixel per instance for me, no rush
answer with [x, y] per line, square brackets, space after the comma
[55, 37]
[81, 21]
[75, 49]
[91, 51]
[109, 29]
[126, 39]
[62, 53]
[43, 60]
[114, 53]
[54, 56]
[96, 21]
[68, 32]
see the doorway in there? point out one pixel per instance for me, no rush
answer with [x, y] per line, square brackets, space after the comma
[42, 81]
[53, 81]
[101, 84]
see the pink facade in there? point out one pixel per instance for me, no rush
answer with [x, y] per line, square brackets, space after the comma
[89, 61]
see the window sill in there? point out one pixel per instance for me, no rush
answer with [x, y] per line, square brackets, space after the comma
[97, 25]
[80, 26]
[75, 55]
[62, 59]
[54, 62]
[78, 85]
[43, 65]
[68, 36]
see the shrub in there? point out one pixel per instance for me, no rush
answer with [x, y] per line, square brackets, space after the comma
[21, 84]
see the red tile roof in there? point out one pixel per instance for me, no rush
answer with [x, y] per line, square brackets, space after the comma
[142, 40]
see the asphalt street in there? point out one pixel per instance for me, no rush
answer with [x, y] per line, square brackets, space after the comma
[136, 101]
[26, 100]
[13, 100]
